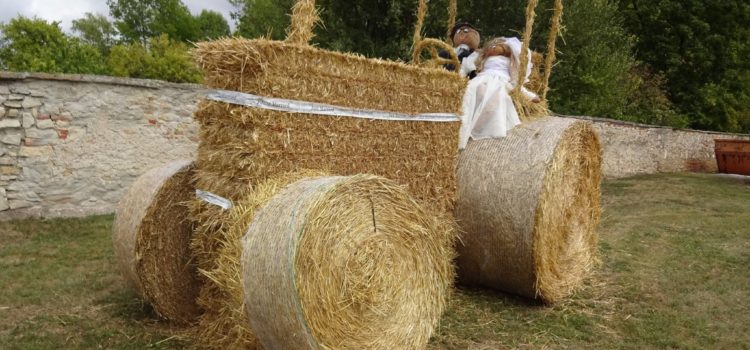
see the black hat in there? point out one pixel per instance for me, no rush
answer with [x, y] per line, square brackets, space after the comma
[459, 25]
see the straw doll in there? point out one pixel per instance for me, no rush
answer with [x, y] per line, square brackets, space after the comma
[488, 110]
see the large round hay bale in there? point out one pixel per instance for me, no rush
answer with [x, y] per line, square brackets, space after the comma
[151, 236]
[224, 323]
[529, 205]
[346, 263]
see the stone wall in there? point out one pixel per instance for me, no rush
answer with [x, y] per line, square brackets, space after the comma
[632, 149]
[70, 145]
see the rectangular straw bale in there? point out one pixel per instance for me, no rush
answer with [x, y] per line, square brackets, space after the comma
[241, 146]
[300, 72]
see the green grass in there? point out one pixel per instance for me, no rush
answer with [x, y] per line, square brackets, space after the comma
[674, 248]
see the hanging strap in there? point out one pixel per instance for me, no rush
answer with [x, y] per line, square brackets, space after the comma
[421, 13]
[452, 10]
[550, 59]
[524, 64]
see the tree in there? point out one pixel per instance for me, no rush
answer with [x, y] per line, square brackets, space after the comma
[702, 48]
[257, 18]
[211, 25]
[34, 45]
[96, 30]
[162, 58]
[593, 74]
[139, 20]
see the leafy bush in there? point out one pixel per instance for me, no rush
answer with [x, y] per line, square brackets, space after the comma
[163, 59]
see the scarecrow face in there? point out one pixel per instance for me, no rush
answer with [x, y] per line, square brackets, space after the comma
[497, 47]
[467, 36]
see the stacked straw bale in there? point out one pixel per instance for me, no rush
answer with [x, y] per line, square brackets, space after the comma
[241, 145]
[301, 72]
[346, 263]
[529, 205]
[224, 324]
[151, 235]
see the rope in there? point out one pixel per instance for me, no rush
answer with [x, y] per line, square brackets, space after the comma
[304, 18]
[421, 13]
[452, 10]
[550, 59]
[530, 14]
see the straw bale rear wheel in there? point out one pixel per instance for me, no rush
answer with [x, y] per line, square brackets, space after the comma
[529, 205]
[346, 263]
[151, 236]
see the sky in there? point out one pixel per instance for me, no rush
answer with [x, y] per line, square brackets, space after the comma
[66, 11]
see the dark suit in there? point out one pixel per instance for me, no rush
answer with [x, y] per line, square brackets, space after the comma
[462, 53]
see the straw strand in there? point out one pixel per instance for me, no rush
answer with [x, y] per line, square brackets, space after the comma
[304, 18]
[550, 59]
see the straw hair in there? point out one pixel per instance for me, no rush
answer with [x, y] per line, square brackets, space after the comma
[304, 18]
[302, 72]
[151, 236]
[346, 263]
[529, 205]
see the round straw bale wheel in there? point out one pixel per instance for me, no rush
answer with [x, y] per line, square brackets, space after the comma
[346, 263]
[529, 205]
[151, 236]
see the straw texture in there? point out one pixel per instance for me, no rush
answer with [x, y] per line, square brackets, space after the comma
[301, 72]
[554, 31]
[151, 236]
[304, 18]
[241, 146]
[224, 324]
[529, 204]
[346, 263]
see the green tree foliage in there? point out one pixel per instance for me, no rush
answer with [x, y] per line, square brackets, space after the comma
[34, 45]
[593, 74]
[139, 20]
[96, 30]
[162, 58]
[373, 28]
[211, 25]
[702, 47]
[257, 18]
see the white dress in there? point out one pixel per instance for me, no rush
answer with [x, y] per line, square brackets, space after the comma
[488, 110]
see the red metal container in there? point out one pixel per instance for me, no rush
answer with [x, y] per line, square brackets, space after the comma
[733, 156]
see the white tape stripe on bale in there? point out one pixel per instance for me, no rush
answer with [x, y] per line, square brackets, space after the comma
[292, 106]
[214, 199]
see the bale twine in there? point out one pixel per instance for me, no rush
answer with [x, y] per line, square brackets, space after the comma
[224, 323]
[346, 263]
[529, 205]
[151, 235]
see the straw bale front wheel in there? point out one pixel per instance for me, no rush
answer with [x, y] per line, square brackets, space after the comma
[433, 46]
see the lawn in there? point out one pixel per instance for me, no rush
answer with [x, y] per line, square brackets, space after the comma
[674, 249]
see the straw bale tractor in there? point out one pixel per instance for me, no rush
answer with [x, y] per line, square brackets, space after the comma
[326, 202]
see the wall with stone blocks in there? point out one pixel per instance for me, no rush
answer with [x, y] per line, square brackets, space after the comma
[70, 145]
